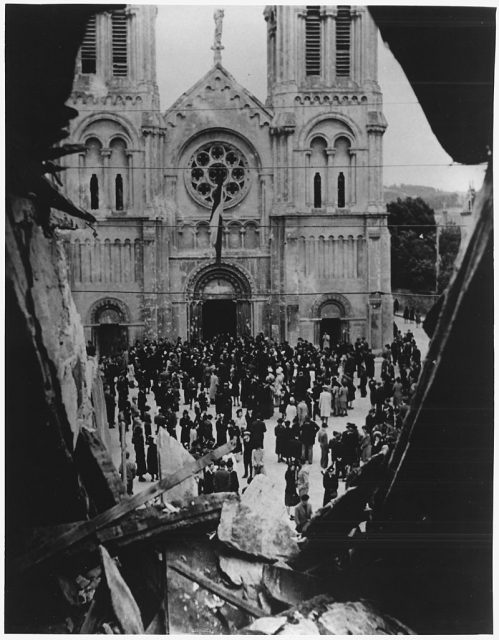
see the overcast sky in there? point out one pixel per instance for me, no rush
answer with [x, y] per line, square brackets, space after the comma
[185, 34]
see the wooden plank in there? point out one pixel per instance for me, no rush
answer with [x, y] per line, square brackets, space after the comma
[80, 532]
[144, 525]
[218, 589]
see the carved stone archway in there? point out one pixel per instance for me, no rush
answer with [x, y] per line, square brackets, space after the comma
[335, 298]
[219, 282]
[109, 318]
[330, 312]
[99, 308]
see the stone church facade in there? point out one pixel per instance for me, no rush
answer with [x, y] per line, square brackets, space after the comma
[306, 248]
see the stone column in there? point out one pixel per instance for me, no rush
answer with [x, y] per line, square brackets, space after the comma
[329, 14]
[375, 322]
[129, 196]
[83, 183]
[352, 179]
[356, 46]
[308, 178]
[106, 199]
[150, 303]
[330, 191]
[300, 71]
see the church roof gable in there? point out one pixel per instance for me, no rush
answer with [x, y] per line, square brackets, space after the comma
[218, 80]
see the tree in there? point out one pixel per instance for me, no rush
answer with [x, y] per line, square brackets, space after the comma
[448, 248]
[413, 249]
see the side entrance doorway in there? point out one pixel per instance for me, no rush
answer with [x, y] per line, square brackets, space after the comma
[109, 319]
[332, 326]
[111, 339]
[331, 320]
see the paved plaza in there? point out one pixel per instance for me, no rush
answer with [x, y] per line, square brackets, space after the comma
[274, 469]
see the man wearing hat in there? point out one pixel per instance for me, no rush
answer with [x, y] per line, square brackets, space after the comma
[221, 479]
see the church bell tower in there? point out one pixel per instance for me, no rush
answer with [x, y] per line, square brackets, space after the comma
[329, 215]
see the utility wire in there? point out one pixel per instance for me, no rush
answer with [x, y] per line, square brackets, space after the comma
[274, 167]
[266, 294]
[327, 225]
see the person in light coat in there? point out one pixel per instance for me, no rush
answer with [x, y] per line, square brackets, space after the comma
[325, 404]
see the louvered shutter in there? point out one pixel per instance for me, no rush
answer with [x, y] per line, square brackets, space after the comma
[343, 21]
[89, 48]
[119, 37]
[313, 41]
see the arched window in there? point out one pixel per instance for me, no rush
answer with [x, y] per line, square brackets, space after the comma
[343, 173]
[313, 41]
[118, 165]
[94, 174]
[317, 191]
[118, 192]
[343, 41]
[94, 192]
[318, 164]
[341, 190]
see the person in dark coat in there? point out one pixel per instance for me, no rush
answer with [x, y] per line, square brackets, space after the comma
[291, 498]
[208, 485]
[110, 408]
[307, 436]
[141, 400]
[350, 440]
[369, 362]
[221, 479]
[140, 453]
[185, 429]
[152, 458]
[330, 484]
[336, 452]
[286, 437]
[221, 427]
[258, 430]
[279, 439]
[233, 479]
[247, 451]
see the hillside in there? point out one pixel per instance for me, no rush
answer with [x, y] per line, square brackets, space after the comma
[435, 198]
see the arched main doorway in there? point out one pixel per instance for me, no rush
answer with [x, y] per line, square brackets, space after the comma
[109, 327]
[220, 302]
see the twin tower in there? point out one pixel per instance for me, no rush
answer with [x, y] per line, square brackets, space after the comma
[306, 248]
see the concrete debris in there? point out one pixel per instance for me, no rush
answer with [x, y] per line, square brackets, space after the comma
[268, 626]
[241, 572]
[352, 618]
[288, 586]
[303, 627]
[123, 603]
[257, 525]
[172, 457]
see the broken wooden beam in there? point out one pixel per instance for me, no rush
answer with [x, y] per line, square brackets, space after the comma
[82, 531]
[145, 525]
[217, 589]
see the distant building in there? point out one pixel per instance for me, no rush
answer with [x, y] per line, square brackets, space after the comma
[460, 215]
[306, 246]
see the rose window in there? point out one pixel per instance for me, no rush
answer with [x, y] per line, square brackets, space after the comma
[208, 164]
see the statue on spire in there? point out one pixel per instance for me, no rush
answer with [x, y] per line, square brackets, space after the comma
[217, 47]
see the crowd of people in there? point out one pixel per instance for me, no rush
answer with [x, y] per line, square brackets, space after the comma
[210, 393]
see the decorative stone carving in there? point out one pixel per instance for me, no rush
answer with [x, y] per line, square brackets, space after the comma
[113, 304]
[207, 163]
